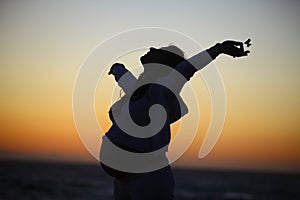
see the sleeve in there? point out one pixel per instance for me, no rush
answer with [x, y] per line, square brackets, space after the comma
[187, 68]
[172, 103]
[126, 80]
[166, 91]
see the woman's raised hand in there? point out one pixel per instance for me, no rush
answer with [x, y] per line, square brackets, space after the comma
[115, 67]
[234, 48]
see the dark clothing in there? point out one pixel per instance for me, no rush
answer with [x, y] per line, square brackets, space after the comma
[157, 185]
[149, 95]
[139, 109]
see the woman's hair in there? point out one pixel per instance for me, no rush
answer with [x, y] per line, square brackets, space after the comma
[170, 56]
[173, 56]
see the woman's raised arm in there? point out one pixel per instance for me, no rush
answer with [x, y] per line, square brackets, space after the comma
[128, 81]
[187, 68]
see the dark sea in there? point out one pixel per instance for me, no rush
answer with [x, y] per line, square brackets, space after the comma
[48, 180]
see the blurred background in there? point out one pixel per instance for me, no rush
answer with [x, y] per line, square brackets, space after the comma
[43, 43]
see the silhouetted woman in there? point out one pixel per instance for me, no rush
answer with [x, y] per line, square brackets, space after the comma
[153, 179]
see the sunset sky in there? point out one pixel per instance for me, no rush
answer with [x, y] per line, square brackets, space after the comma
[43, 44]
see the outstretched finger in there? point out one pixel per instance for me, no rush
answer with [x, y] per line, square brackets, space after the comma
[245, 53]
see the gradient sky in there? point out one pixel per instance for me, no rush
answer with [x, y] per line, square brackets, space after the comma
[43, 43]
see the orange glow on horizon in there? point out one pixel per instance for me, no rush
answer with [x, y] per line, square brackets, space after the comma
[43, 47]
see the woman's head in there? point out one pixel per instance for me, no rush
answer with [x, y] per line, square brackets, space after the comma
[169, 56]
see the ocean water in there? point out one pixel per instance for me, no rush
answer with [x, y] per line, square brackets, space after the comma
[42, 180]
